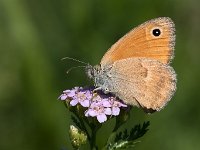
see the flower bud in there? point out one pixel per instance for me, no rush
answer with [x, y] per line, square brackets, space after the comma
[77, 137]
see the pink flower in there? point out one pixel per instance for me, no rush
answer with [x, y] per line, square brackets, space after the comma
[68, 94]
[116, 106]
[98, 104]
[82, 97]
[98, 110]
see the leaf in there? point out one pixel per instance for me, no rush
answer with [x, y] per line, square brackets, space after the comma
[125, 139]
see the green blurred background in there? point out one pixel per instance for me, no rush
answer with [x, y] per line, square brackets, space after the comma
[36, 34]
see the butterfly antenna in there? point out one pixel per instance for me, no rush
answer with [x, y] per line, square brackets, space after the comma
[74, 68]
[75, 60]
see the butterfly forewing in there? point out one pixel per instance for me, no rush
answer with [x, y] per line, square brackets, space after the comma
[153, 39]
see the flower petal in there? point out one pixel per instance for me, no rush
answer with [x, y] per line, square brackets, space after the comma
[92, 113]
[115, 111]
[101, 118]
[85, 103]
[73, 102]
[71, 94]
[66, 91]
[123, 105]
[106, 103]
[63, 97]
[108, 111]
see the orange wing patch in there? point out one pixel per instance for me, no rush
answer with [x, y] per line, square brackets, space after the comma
[141, 42]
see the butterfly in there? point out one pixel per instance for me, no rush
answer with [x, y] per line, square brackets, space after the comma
[137, 68]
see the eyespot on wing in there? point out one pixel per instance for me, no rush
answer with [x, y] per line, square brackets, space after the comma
[153, 39]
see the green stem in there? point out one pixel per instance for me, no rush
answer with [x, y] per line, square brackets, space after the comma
[94, 126]
[93, 140]
[84, 128]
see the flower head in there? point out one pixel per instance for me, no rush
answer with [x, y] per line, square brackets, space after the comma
[97, 105]
[98, 110]
[77, 95]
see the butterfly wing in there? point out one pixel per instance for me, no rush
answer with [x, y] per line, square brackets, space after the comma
[153, 39]
[143, 82]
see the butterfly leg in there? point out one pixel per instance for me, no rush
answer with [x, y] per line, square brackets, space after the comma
[97, 89]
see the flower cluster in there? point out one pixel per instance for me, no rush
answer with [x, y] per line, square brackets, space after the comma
[97, 104]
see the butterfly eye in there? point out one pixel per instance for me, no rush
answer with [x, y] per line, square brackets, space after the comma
[156, 32]
[106, 89]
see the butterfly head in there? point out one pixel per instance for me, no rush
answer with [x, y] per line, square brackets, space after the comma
[92, 71]
[100, 77]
